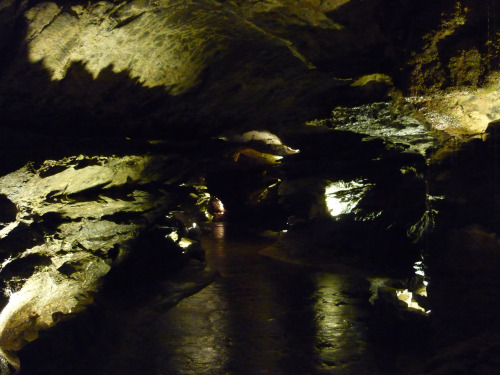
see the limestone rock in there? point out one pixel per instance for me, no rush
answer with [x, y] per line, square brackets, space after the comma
[372, 88]
[462, 112]
[106, 56]
[355, 206]
[197, 70]
[446, 60]
[72, 221]
[393, 320]
[399, 127]
[178, 66]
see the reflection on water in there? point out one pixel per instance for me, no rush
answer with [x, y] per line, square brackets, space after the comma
[263, 317]
[341, 313]
[218, 230]
[258, 317]
[193, 337]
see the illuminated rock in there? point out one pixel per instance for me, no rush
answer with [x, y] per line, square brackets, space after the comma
[372, 87]
[398, 126]
[342, 197]
[77, 219]
[265, 141]
[462, 112]
[352, 202]
[108, 58]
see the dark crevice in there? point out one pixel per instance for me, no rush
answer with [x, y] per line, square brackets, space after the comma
[127, 20]
[45, 27]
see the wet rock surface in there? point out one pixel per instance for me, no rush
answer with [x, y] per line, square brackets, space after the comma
[117, 334]
[76, 219]
[128, 222]
[397, 126]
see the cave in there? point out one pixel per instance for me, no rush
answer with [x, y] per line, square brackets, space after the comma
[232, 187]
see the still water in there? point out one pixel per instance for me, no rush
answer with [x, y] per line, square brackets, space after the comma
[259, 316]
[266, 317]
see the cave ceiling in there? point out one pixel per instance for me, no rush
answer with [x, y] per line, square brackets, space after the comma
[177, 67]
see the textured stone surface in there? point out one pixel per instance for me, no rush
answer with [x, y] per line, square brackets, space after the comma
[76, 219]
[163, 44]
[177, 66]
[164, 50]
[398, 126]
[462, 112]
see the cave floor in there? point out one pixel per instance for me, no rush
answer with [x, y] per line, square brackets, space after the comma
[266, 317]
[259, 316]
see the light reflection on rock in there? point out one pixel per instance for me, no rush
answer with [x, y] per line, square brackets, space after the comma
[343, 197]
[77, 217]
[398, 127]
[462, 112]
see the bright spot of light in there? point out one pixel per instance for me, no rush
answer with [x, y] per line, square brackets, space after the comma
[342, 197]
[173, 236]
[218, 230]
[404, 295]
[407, 297]
[419, 268]
[5, 262]
[207, 215]
[266, 137]
[185, 242]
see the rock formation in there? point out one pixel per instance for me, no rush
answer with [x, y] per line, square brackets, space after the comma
[367, 129]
